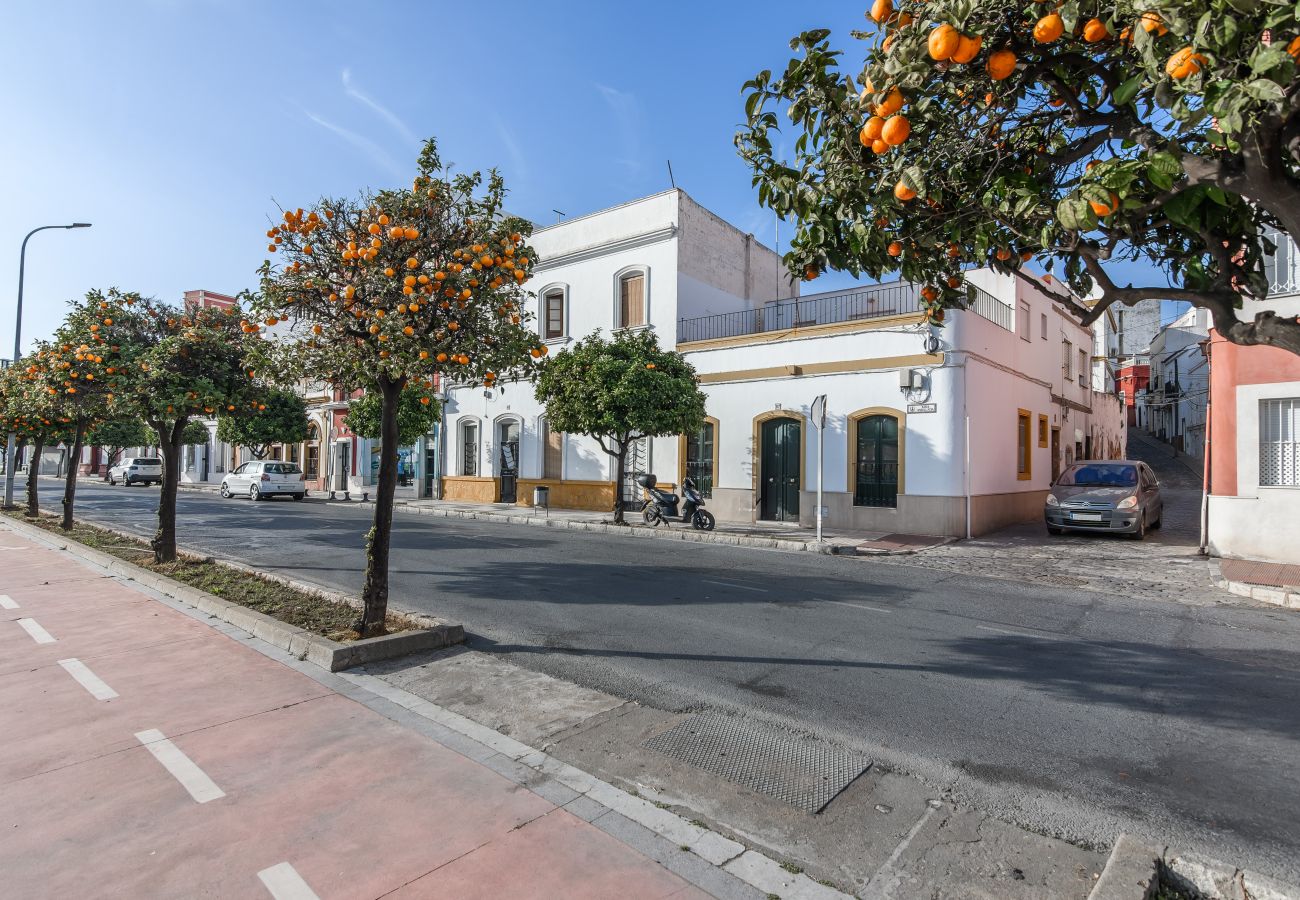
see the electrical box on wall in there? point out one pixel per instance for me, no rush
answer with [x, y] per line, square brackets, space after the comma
[911, 380]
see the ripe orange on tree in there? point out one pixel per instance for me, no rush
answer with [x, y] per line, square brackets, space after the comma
[1049, 28]
[1001, 64]
[943, 41]
[895, 130]
[903, 192]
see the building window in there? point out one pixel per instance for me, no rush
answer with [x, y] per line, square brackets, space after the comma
[1042, 323]
[1279, 442]
[311, 466]
[1067, 359]
[553, 314]
[876, 479]
[1042, 430]
[469, 448]
[631, 300]
[1083, 368]
[1024, 458]
[701, 458]
[1022, 321]
[552, 451]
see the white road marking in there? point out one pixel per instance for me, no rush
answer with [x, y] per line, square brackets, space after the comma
[284, 883]
[857, 605]
[1046, 637]
[88, 679]
[738, 586]
[884, 882]
[182, 768]
[39, 634]
[7, 602]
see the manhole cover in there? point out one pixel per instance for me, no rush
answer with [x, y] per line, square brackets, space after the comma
[805, 773]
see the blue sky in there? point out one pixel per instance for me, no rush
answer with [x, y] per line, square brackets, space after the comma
[176, 125]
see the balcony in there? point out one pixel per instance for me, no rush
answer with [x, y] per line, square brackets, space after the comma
[898, 298]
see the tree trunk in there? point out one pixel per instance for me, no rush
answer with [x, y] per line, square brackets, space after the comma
[620, 471]
[374, 595]
[164, 540]
[33, 472]
[70, 480]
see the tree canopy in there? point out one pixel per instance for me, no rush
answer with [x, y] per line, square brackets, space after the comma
[390, 292]
[993, 132]
[414, 417]
[618, 391]
[280, 417]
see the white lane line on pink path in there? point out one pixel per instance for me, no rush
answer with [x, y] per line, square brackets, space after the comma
[39, 634]
[192, 778]
[284, 883]
[7, 602]
[88, 679]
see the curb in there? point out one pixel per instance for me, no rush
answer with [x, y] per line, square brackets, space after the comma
[1131, 871]
[332, 656]
[1278, 596]
[670, 534]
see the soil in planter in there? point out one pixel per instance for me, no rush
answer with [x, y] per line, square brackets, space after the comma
[303, 609]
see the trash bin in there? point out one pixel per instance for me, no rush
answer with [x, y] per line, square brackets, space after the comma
[542, 498]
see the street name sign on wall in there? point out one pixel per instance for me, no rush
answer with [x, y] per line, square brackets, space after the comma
[922, 407]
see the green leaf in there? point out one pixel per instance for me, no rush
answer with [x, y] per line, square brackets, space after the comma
[1128, 90]
[1264, 89]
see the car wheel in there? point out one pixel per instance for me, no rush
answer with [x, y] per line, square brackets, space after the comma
[1140, 532]
[1158, 522]
[1054, 531]
[127, 481]
[298, 497]
[112, 481]
[225, 491]
[254, 493]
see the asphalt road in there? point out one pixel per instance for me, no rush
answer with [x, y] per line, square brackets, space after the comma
[1074, 713]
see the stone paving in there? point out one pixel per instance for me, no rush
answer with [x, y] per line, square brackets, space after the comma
[1167, 565]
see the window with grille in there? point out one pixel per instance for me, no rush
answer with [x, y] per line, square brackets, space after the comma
[1024, 461]
[1083, 367]
[469, 448]
[631, 300]
[1282, 266]
[876, 481]
[699, 459]
[1067, 359]
[553, 314]
[1279, 442]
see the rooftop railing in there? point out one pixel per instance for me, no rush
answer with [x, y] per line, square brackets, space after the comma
[895, 299]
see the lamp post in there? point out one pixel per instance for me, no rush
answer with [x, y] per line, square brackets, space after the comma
[12, 442]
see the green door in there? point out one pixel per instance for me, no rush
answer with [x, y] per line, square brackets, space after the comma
[779, 476]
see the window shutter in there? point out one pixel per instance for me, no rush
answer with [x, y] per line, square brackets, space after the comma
[631, 301]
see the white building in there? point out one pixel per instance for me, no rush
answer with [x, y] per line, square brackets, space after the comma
[1174, 403]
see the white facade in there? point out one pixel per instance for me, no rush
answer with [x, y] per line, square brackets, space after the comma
[1173, 407]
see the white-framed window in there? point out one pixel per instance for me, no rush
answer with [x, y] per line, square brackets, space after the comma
[553, 312]
[1279, 442]
[469, 453]
[632, 298]
[1022, 321]
[1083, 367]
[552, 450]
[1067, 359]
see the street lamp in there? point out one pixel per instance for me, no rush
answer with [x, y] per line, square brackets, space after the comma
[12, 444]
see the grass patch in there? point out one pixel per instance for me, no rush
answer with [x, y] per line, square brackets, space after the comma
[303, 609]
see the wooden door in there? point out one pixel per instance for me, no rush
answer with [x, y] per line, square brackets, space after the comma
[779, 475]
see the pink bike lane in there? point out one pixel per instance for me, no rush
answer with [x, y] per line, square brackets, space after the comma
[148, 754]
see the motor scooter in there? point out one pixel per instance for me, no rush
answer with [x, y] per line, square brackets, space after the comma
[662, 506]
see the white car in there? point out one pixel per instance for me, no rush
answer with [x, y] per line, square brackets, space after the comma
[136, 470]
[265, 478]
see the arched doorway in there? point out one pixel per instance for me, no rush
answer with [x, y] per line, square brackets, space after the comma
[508, 459]
[780, 473]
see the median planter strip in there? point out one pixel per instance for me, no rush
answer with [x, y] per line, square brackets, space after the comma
[314, 625]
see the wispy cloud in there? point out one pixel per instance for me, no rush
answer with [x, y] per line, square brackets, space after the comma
[376, 153]
[518, 162]
[377, 108]
[627, 116]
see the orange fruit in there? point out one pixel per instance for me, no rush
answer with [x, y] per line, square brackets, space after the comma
[903, 192]
[1001, 64]
[895, 130]
[1102, 209]
[871, 130]
[967, 48]
[953, 251]
[412, 263]
[1094, 31]
[954, 281]
[894, 248]
[1151, 21]
[881, 10]
[892, 103]
[384, 220]
[1049, 28]
[1293, 48]
[878, 146]
[1003, 254]
[1183, 63]
[809, 273]
[373, 229]
[1026, 256]
[441, 357]
[930, 293]
[943, 42]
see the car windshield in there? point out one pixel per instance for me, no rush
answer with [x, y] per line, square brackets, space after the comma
[282, 468]
[1100, 475]
[147, 462]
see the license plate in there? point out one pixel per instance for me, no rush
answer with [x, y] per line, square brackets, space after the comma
[1086, 517]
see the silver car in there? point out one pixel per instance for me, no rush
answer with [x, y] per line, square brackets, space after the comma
[1121, 496]
[263, 479]
[136, 470]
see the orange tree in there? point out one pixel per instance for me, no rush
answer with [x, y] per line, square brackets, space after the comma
[172, 365]
[31, 413]
[1084, 134]
[391, 291]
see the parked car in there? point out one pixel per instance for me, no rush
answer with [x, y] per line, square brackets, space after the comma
[1114, 495]
[265, 478]
[136, 470]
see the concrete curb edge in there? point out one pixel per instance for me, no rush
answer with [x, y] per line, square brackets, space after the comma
[1278, 596]
[1131, 869]
[332, 656]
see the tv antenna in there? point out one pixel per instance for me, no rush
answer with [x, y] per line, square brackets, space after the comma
[671, 180]
[558, 215]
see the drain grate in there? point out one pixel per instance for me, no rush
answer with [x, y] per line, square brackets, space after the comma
[805, 773]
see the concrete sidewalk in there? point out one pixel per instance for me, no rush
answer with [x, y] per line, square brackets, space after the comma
[149, 753]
